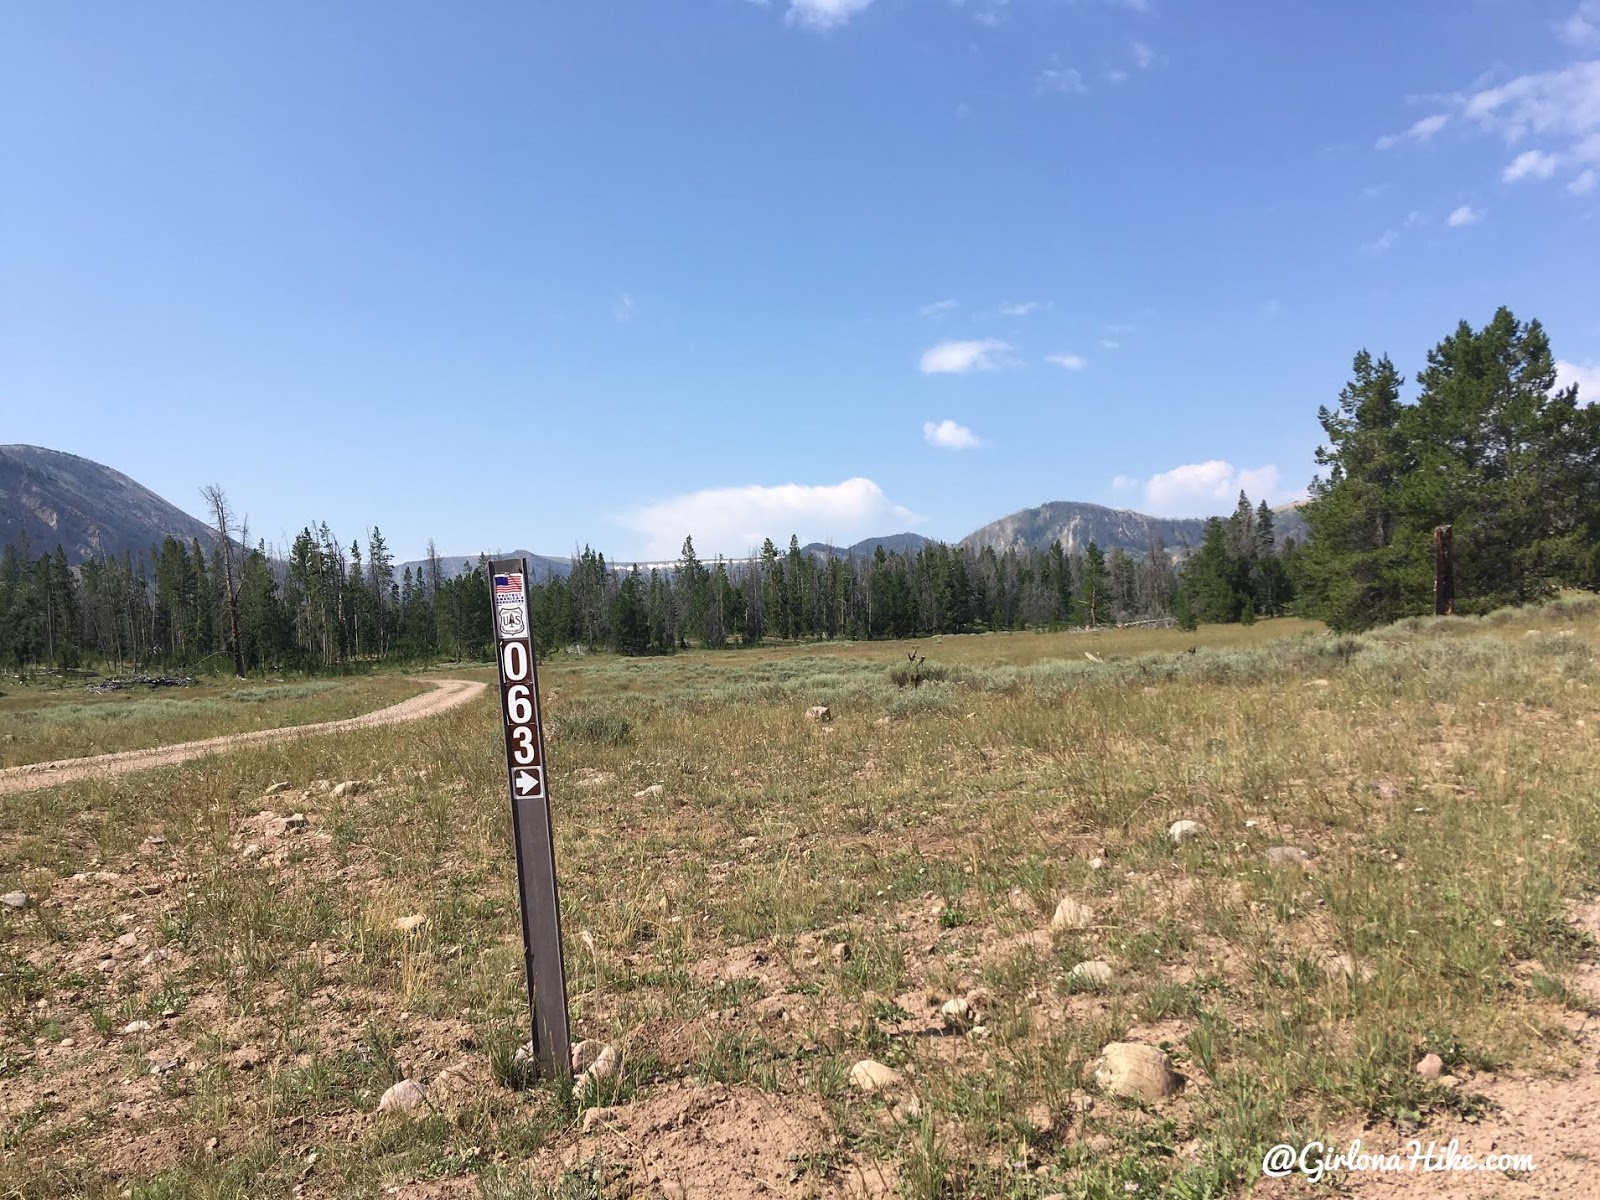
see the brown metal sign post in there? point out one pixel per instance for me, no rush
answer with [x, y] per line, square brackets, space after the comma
[530, 817]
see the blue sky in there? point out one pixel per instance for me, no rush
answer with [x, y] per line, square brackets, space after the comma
[514, 275]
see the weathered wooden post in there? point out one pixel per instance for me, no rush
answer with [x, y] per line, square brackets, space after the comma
[1444, 571]
[530, 818]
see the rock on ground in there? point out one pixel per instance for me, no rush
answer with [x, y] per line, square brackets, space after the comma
[1095, 971]
[957, 1013]
[607, 1062]
[871, 1076]
[1070, 914]
[1137, 1071]
[1285, 856]
[406, 1096]
[1182, 832]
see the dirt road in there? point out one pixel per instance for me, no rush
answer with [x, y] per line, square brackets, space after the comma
[446, 694]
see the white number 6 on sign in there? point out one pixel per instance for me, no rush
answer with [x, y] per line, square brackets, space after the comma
[519, 705]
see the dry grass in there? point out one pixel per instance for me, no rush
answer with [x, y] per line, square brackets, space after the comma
[1442, 774]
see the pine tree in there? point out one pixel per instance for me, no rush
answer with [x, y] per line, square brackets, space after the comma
[1210, 575]
[630, 620]
[1094, 596]
[1183, 611]
[1506, 459]
[1352, 573]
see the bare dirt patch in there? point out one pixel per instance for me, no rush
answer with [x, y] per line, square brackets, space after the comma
[735, 1143]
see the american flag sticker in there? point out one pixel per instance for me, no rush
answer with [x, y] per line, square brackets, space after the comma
[508, 590]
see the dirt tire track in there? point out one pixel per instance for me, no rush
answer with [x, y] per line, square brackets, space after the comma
[446, 694]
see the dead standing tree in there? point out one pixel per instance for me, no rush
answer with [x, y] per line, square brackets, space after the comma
[222, 518]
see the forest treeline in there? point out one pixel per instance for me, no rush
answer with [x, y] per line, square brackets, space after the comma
[327, 606]
[1490, 446]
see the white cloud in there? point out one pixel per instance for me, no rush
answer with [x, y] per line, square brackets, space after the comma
[1564, 103]
[1583, 184]
[1465, 215]
[1143, 56]
[823, 14]
[733, 520]
[947, 435]
[1560, 108]
[1206, 489]
[1530, 164]
[1381, 243]
[1072, 362]
[1019, 310]
[622, 310]
[1121, 483]
[1067, 81]
[1420, 131]
[938, 308]
[1110, 343]
[1582, 27]
[990, 14]
[1585, 375]
[957, 358]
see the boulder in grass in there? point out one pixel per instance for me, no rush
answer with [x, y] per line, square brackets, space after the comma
[1070, 914]
[1136, 1071]
[1096, 972]
[407, 1096]
[1184, 832]
[869, 1075]
[607, 1062]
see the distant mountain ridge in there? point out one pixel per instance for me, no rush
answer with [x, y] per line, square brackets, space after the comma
[894, 543]
[540, 566]
[1075, 524]
[87, 508]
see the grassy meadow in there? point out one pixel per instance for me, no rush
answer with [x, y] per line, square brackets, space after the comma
[48, 719]
[196, 1005]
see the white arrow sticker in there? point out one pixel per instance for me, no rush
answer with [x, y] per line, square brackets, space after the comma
[527, 783]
